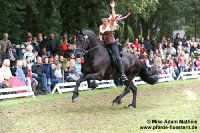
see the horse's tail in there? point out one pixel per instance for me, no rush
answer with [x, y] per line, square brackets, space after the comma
[150, 76]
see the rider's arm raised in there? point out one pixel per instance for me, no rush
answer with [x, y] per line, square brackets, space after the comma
[112, 4]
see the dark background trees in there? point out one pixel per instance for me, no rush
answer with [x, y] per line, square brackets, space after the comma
[149, 17]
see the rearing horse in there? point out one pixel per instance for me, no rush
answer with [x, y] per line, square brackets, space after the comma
[98, 66]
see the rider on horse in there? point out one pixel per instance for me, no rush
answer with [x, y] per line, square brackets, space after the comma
[106, 34]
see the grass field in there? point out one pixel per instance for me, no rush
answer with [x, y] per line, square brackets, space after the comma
[94, 113]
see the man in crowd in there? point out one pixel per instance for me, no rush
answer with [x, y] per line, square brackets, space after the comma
[5, 43]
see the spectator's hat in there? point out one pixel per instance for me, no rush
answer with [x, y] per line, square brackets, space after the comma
[145, 53]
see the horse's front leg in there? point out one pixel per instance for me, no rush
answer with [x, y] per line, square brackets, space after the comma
[78, 82]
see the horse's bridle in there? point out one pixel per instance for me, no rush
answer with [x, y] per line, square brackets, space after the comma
[86, 40]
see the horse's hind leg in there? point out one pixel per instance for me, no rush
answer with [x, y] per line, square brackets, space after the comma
[134, 91]
[118, 98]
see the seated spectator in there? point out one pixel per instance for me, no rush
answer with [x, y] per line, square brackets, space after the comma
[2, 85]
[61, 58]
[69, 73]
[72, 60]
[47, 72]
[54, 79]
[194, 49]
[51, 59]
[197, 63]
[30, 53]
[5, 69]
[127, 48]
[19, 71]
[56, 59]
[170, 49]
[58, 71]
[150, 61]
[37, 73]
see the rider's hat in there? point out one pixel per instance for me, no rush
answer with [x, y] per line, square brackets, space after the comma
[105, 15]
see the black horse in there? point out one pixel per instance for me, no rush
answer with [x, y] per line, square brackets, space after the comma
[98, 66]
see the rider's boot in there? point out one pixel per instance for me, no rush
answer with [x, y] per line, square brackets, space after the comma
[121, 68]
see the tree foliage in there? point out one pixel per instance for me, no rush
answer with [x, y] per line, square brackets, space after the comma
[154, 17]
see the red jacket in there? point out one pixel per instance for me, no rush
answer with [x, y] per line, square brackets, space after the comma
[63, 47]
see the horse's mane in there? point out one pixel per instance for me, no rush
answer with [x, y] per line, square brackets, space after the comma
[90, 32]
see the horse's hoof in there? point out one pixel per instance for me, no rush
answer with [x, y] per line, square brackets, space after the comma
[74, 100]
[116, 102]
[131, 106]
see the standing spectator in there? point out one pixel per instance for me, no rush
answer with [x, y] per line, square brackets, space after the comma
[47, 72]
[135, 43]
[33, 81]
[197, 63]
[52, 46]
[68, 52]
[40, 43]
[64, 46]
[5, 43]
[141, 41]
[176, 40]
[35, 44]
[11, 55]
[28, 39]
[147, 44]
[153, 43]
[184, 40]
[181, 62]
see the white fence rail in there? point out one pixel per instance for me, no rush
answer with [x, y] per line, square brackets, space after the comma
[22, 91]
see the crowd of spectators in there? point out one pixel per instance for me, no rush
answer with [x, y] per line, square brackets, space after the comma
[170, 56]
[45, 61]
[40, 61]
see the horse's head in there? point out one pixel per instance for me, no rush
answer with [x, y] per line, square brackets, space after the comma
[82, 43]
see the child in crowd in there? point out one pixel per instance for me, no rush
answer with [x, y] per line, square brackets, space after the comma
[33, 81]
[78, 67]
[53, 76]
[70, 73]
[181, 61]
[58, 71]
[56, 59]
[19, 71]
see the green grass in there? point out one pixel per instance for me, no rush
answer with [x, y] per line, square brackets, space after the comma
[94, 113]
